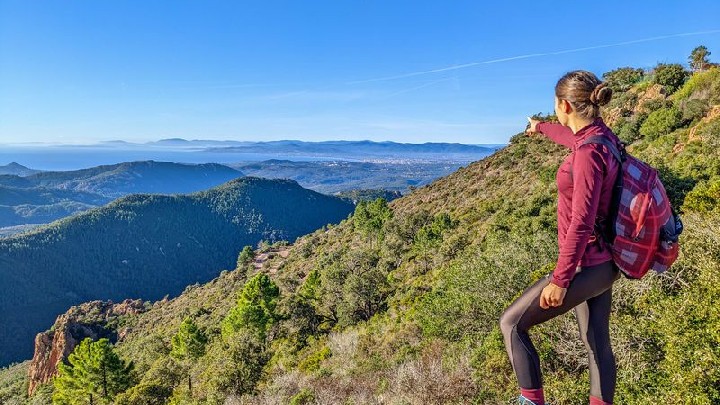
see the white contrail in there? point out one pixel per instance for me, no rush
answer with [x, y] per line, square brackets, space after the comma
[422, 86]
[533, 55]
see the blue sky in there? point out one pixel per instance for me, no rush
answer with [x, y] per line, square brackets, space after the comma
[86, 71]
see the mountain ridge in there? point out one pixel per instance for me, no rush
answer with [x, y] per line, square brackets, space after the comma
[17, 169]
[106, 252]
[46, 196]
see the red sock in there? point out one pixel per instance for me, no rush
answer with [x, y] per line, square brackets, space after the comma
[598, 401]
[535, 395]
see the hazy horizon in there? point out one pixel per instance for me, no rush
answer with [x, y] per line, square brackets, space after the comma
[110, 142]
[63, 157]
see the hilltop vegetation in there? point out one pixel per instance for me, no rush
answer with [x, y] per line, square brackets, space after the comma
[34, 197]
[138, 177]
[145, 246]
[399, 304]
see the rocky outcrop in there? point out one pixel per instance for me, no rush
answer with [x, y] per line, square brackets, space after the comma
[711, 115]
[633, 104]
[91, 319]
[654, 92]
[693, 136]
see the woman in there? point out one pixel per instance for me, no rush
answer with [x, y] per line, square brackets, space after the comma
[585, 272]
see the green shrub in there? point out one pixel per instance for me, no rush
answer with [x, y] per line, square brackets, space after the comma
[235, 365]
[145, 393]
[13, 382]
[469, 296]
[700, 85]
[622, 79]
[311, 362]
[709, 133]
[670, 76]
[304, 397]
[661, 122]
[689, 321]
[626, 101]
[693, 110]
[705, 197]
[656, 104]
[627, 130]
[492, 369]
[429, 238]
[547, 174]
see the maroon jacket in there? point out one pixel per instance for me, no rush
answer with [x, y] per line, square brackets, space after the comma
[583, 196]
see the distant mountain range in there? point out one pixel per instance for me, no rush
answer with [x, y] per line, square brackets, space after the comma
[343, 150]
[324, 146]
[145, 246]
[364, 149]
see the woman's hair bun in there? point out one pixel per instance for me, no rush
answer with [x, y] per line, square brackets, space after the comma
[601, 95]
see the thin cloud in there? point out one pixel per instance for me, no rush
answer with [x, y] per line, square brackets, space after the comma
[532, 55]
[411, 89]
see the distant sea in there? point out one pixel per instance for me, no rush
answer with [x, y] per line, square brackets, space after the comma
[74, 157]
[81, 157]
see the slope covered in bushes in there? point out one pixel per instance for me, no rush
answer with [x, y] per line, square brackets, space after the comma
[145, 246]
[399, 304]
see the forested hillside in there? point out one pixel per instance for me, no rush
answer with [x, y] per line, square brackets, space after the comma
[33, 197]
[37, 205]
[145, 246]
[138, 177]
[399, 304]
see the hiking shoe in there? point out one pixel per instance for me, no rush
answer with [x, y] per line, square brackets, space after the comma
[524, 401]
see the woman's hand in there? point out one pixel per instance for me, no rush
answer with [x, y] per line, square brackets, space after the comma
[552, 296]
[533, 126]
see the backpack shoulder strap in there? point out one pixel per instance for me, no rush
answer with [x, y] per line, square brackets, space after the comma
[610, 145]
[608, 233]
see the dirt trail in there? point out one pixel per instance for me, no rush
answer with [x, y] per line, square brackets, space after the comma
[260, 259]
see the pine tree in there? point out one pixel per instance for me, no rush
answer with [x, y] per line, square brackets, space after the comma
[255, 309]
[188, 345]
[429, 237]
[94, 375]
[699, 58]
[189, 342]
[370, 218]
[246, 256]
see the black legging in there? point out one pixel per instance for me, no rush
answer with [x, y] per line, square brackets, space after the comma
[589, 293]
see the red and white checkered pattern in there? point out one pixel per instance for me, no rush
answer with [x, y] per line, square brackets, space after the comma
[643, 211]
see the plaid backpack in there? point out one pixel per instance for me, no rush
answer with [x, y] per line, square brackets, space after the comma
[644, 227]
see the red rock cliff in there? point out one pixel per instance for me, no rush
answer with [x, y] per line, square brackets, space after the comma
[86, 320]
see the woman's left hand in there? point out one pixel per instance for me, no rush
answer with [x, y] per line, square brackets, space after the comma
[552, 296]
